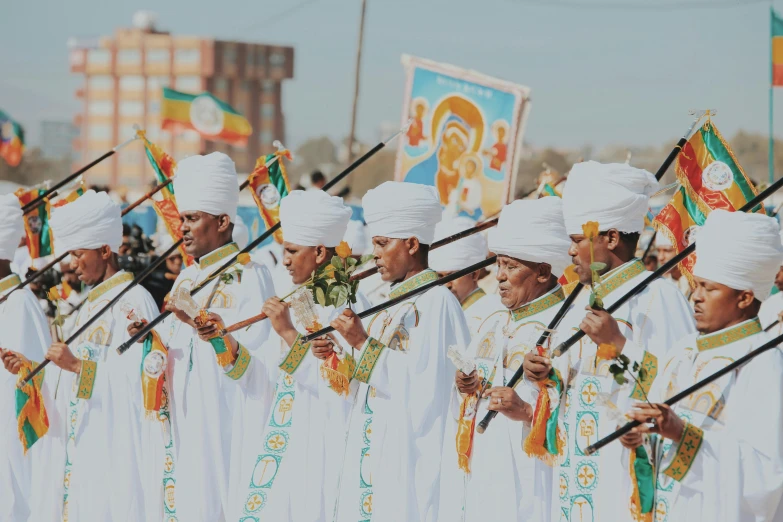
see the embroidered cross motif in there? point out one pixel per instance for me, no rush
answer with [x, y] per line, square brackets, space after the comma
[254, 502]
[276, 442]
[589, 393]
[586, 475]
[368, 504]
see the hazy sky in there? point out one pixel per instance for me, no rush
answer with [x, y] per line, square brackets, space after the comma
[599, 75]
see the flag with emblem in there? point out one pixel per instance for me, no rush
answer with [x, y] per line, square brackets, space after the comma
[32, 421]
[11, 140]
[72, 196]
[710, 178]
[204, 113]
[40, 241]
[270, 185]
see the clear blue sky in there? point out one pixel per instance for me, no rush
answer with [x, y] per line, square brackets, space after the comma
[598, 75]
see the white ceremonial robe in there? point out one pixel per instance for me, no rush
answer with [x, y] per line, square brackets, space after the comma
[770, 308]
[598, 487]
[504, 483]
[201, 396]
[288, 460]
[729, 465]
[23, 329]
[103, 477]
[402, 383]
[478, 306]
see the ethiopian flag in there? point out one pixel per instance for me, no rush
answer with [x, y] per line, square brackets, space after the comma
[32, 421]
[40, 241]
[270, 186]
[71, 196]
[214, 119]
[777, 49]
[710, 178]
[11, 140]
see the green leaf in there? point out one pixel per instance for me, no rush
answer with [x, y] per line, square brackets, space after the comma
[59, 321]
[365, 258]
[342, 296]
[596, 266]
[619, 378]
[642, 374]
[624, 359]
[599, 304]
[615, 369]
[635, 366]
[591, 300]
[337, 263]
[352, 261]
[320, 298]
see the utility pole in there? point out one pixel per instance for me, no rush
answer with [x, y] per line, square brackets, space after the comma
[352, 135]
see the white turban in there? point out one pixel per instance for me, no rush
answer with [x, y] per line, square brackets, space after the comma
[662, 240]
[615, 195]
[11, 226]
[88, 223]
[207, 184]
[241, 235]
[313, 217]
[739, 250]
[461, 253]
[356, 237]
[533, 230]
[399, 210]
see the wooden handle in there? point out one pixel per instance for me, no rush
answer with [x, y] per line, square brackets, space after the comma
[243, 324]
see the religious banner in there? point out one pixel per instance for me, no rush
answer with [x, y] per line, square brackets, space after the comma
[464, 136]
[11, 140]
[204, 113]
[269, 185]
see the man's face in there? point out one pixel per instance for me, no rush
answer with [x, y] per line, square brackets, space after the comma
[300, 261]
[665, 254]
[779, 279]
[69, 275]
[199, 231]
[392, 257]
[174, 264]
[90, 265]
[462, 287]
[516, 281]
[580, 255]
[715, 306]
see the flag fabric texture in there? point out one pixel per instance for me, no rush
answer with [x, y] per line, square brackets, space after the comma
[270, 185]
[204, 113]
[710, 178]
[32, 421]
[40, 240]
[777, 49]
[11, 140]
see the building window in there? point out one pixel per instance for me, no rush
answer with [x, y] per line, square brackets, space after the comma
[100, 82]
[240, 107]
[183, 56]
[265, 137]
[131, 157]
[131, 108]
[261, 57]
[158, 56]
[99, 131]
[152, 131]
[268, 86]
[156, 83]
[131, 83]
[99, 56]
[221, 84]
[277, 58]
[249, 56]
[129, 56]
[188, 83]
[100, 108]
[267, 111]
[246, 85]
[153, 106]
[229, 54]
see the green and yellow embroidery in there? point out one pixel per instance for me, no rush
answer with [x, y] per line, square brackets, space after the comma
[221, 253]
[9, 282]
[413, 283]
[619, 278]
[87, 379]
[692, 438]
[113, 282]
[295, 356]
[473, 298]
[732, 335]
[538, 306]
[642, 387]
[241, 364]
[369, 359]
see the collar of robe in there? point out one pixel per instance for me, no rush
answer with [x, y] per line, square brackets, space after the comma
[113, 282]
[619, 276]
[474, 296]
[221, 253]
[422, 278]
[546, 301]
[729, 335]
[9, 282]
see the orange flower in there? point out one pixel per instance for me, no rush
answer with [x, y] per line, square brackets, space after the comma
[343, 250]
[243, 258]
[590, 229]
[53, 294]
[606, 351]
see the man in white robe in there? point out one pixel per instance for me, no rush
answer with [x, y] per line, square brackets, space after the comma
[403, 378]
[722, 446]
[772, 307]
[23, 330]
[446, 260]
[207, 197]
[616, 197]
[491, 471]
[287, 463]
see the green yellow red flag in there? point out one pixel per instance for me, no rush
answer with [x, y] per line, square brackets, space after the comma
[211, 117]
[270, 185]
[777, 50]
[11, 140]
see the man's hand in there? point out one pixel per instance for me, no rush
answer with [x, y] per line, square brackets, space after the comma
[209, 329]
[350, 327]
[657, 418]
[467, 383]
[280, 316]
[506, 401]
[322, 347]
[631, 440]
[182, 316]
[61, 355]
[536, 367]
[137, 326]
[12, 361]
[602, 328]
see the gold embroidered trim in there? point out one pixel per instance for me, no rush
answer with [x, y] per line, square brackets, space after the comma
[732, 335]
[9, 282]
[113, 282]
[87, 379]
[241, 365]
[422, 278]
[295, 356]
[473, 298]
[692, 438]
[221, 253]
[369, 359]
[539, 305]
[650, 367]
[618, 279]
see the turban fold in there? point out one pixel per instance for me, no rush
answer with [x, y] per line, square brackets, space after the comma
[533, 230]
[400, 210]
[87, 223]
[11, 226]
[240, 236]
[207, 184]
[461, 253]
[356, 237]
[313, 218]
[739, 250]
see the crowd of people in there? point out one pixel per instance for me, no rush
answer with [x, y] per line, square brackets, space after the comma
[380, 418]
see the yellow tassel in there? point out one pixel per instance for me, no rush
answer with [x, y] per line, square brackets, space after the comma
[534, 443]
[338, 373]
[465, 433]
[225, 358]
